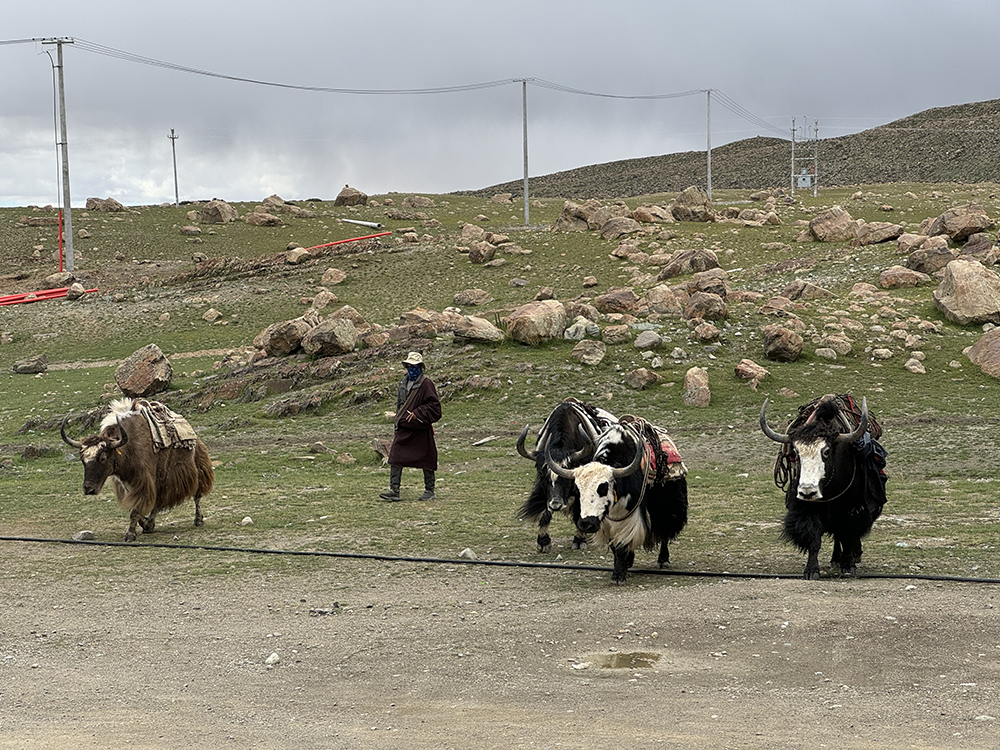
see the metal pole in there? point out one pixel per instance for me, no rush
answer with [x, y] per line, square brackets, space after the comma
[524, 117]
[709, 146]
[815, 158]
[793, 157]
[64, 150]
[173, 147]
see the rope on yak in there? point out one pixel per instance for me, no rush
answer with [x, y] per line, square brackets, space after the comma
[850, 417]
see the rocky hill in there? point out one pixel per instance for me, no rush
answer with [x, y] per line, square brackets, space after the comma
[945, 144]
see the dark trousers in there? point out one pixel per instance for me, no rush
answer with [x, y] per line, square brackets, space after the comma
[396, 478]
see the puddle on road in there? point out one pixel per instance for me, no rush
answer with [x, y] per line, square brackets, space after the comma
[636, 660]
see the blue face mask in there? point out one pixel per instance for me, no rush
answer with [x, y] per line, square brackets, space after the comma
[413, 372]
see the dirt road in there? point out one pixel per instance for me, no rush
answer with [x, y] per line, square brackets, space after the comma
[403, 655]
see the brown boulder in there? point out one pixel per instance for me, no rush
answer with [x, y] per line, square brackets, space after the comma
[961, 222]
[834, 225]
[589, 352]
[969, 293]
[472, 298]
[537, 321]
[612, 229]
[985, 353]
[693, 204]
[898, 277]
[331, 337]
[350, 197]
[641, 378]
[688, 261]
[781, 344]
[622, 300]
[217, 212]
[706, 306]
[145, 373]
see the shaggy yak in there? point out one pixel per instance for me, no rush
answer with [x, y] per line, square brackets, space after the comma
[633, 493]
[150, 472]
[565, 439]
[837, 487]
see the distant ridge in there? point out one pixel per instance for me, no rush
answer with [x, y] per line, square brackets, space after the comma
[960, 143]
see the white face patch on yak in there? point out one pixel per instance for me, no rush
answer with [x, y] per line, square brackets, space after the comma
[812, 468]
[89, 455]
[596, 484]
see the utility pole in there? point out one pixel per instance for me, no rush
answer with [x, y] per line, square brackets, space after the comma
[64, 150]
[524, 118]
[708, 148]
[793, 157]
[173, 147]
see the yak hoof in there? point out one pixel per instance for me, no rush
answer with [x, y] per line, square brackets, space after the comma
[811, 575]
[579, 544]
[544, 547]
[199, 521]
[849, 572]
[618, 581]
[130, 536]
[544, 543]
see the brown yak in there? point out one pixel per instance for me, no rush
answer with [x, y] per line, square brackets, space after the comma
[149, 476]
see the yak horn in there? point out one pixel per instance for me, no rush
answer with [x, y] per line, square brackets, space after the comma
[633, 467]
[122, 439]
[850, 437]
[68, 440]
[766, 429]
[557, 469]
[531, 456]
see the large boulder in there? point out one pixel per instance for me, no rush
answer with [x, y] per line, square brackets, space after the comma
[575, 217]
[707, 306]
[662, 300]
[282, 338]
[350, 197]
[477, 330]
[621, 300]
[930, 258]
[331, 337]
[898, 277]
[653, 215]
[217, 212]
[589, 352]
[969, 293]
[688, 261]
[605, 213]
[145, 373]
[109, 205]
[834, 225]
[985, 353]
[472, 298]
[781, 344]
[612, 229]
[692, 205]
[961, 222]
[876, 232]
[537, 321]
[696, 391]
[32, 365]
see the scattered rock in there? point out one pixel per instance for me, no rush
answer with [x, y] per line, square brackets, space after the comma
[350, 197]
[648, 340]
[747, 369]
[32, 365]
[145, 373]
[332, 277]
[537, 321]
[696, 391]
[589, 352]
[693, 204]
[781, 344]
[641, 378]
[898, 277]
[477, 330]
[472, 298]
[969, 293]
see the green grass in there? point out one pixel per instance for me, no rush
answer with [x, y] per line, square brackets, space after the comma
[940, 428]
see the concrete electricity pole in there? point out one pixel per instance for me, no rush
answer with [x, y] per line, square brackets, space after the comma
[64, 151]
[173, 147]
[524, 118]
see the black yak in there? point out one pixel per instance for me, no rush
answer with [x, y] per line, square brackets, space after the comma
[832, 466]
[566, 439]
[150, 473]
[633, 493]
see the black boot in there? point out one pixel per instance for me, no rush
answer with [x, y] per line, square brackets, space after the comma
[428, 486]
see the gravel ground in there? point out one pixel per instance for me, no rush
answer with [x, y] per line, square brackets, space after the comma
[415, 655]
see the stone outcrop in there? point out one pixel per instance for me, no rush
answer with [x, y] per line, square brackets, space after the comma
[145, 373]
[537, 321]
[217, 212]
[331, 337]
[350, 197]
[693, 204]
[969, 293]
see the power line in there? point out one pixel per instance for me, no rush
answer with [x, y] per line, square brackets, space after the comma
[569, 90]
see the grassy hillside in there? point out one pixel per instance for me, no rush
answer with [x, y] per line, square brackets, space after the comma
[946, 144]
[941, 428]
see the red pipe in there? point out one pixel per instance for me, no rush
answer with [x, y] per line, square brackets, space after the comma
[40, 296]
[352, 239]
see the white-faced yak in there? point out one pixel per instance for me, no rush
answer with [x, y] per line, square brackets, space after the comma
[153, 457]
[633, 493]
[566, 439]
[832, 466]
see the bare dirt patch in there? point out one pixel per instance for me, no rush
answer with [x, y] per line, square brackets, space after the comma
[388, 655]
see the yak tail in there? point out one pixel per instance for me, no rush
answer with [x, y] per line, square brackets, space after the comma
[206, 474]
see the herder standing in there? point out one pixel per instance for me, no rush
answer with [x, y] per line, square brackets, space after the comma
[417, 408]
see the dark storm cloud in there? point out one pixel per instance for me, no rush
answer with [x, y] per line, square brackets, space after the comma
[851, 64]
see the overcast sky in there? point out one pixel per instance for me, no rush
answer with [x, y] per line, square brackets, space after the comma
[850, 64]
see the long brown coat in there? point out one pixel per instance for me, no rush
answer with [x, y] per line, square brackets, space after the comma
[413, 442]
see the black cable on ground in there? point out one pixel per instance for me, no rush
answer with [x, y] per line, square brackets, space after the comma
[495, 563]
